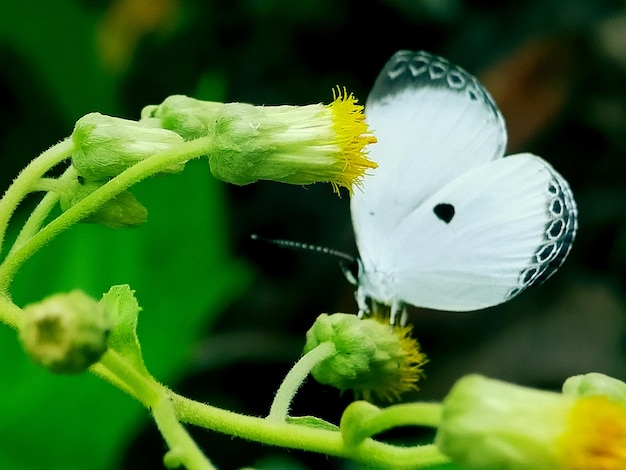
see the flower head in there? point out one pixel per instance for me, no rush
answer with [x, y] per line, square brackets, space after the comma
[488, 424]
[65, 332]
[289, 144]
[352, 136]
[371, 358]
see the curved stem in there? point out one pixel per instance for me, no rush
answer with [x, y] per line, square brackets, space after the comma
[141, 170]
[9, 312]
[183, 449]
[39, 214]
[116, 370]
[294, 379]
[362, 420]
[28, 177]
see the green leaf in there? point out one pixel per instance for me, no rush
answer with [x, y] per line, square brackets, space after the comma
[312, 422]
[122, 305]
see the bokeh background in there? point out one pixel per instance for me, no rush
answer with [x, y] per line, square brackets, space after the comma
[225, 318]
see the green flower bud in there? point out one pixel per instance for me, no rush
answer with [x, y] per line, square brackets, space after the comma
[65, 333]
[492, 425]
[106, 145]
[120, 212]
[188, 117]
[289, 144]
[595, 384]
[371, 358]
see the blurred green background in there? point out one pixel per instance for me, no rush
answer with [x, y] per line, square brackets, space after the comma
[225, 318]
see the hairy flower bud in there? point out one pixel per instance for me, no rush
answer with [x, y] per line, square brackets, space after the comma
[66, 333]
[188, 117]
[106, 145]
[371, 358]
[595, 383]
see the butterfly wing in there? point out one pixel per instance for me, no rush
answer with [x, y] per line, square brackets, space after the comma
[480, 240]
[433, 122]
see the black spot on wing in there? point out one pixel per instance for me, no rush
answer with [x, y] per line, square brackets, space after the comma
[444, 212]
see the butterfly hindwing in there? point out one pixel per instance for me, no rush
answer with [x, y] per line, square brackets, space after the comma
[478, 241]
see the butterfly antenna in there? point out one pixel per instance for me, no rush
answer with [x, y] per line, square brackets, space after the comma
[305, 247]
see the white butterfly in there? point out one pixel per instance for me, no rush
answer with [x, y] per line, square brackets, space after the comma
[445, 222]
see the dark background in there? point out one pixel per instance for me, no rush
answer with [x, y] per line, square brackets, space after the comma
[557, 68]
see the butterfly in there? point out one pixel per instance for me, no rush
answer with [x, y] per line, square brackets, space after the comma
[446, 221]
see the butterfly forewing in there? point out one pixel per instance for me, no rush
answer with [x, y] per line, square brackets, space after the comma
[433, 122]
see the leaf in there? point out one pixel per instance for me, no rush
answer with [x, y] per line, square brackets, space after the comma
[122, 305]
[312, 422]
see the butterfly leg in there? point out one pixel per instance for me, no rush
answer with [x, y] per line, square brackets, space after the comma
[361, 300]
[398, 312]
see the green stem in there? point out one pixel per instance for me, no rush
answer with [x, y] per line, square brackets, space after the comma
[115, 369]
[408, 414]
[307, 438]
[294, 379]
[27, 178]
[183, 449]
[9, 312]
[47, 203]
[141, 170]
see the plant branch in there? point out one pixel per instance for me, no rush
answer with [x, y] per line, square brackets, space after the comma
[27, 179]
[9, 312]
[41, 211]
[302, 437]
[407, 414]
[183, 449]
[294, 379]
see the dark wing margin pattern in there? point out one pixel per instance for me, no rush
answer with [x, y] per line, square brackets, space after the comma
[420, 69]
[558, 236]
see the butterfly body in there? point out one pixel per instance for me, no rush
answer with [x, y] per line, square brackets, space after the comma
[446, 221]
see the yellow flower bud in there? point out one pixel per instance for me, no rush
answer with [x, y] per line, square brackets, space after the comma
[490, 425]
[371, 358]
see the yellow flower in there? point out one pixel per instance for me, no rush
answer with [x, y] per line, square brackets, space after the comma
[370, 358]
[289, 144]
[353, 136]
[595, 437]
[488, 425]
